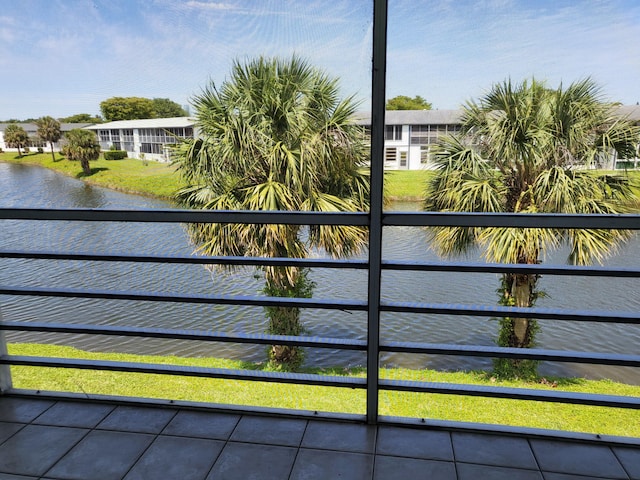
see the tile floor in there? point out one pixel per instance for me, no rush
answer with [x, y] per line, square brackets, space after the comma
[66, 439]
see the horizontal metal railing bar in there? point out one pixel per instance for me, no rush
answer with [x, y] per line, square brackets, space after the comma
[554, 396]
[162, 369]
[474, 219]
[594, 271]
[186, 216]
[186, 259]
[516, 312]
[511, 220]
[263, 339]
[600, 358]
[249, 300]
[539, 269]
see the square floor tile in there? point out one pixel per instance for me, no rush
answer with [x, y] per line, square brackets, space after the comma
[493, 450]
[137, 419]
[35, 448]
[217, 426]
[469, 471]
[102, 455]
[414, 442]
[176, 457]
[74, 414]
[270, 430]
[22, 410]
[243, 461]
[325, 464]
[347, 437]
[8, 429]
[630, 459]
[393, 468]
[577, 459]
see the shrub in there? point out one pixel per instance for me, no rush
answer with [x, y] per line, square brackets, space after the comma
[40, 150]
[26, 150]
[115, 154]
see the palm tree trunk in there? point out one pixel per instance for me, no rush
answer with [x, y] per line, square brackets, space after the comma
[518, 290]
[86, 168]
[53, 156]
[286, 320]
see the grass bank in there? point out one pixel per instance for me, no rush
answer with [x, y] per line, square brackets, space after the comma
[599, 420]
[128, 175]
[161, 180]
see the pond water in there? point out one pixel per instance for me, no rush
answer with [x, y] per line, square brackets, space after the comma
[26, 186]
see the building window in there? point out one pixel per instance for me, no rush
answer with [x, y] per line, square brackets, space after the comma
[424, 155]
[393, 132]
[390, 155]
[403, 159]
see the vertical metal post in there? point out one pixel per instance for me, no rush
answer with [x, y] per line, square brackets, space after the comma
[5, 370]
[378, 79]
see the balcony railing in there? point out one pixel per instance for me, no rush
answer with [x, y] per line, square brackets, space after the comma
[373, 384]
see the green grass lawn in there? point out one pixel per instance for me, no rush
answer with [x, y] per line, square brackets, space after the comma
[406, 185]
[599, 420]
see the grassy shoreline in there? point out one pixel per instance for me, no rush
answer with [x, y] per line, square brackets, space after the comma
[597, 420]
[160, 180]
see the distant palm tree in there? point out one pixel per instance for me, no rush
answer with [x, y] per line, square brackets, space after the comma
[276, 136]
[525, 149]
[83, 146]
[49, 131]
[16, 137]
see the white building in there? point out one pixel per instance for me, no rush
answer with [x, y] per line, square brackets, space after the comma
[34, 140]
[149, 138]
[410, 134]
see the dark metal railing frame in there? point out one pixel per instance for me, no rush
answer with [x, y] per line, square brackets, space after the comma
[375, 221]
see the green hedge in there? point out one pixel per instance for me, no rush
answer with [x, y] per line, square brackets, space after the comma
[114, 154]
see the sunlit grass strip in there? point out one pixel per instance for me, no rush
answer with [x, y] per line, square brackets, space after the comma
[128, 175]
[598, 420]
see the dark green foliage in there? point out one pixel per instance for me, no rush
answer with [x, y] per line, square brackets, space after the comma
[114, 154]
[402, 102]
[166, 108]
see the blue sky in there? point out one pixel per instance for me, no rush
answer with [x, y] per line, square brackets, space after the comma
[61, 57]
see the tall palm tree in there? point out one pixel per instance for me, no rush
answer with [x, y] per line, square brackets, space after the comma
[16, 137]
[526, 148]
[49, 131]
[83, 146]
[276, 136]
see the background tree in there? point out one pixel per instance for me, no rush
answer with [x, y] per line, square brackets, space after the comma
[166, 108]
[49, 131]
[82, 146]
[402, 102]
[127, 108]
[523, 149]
[81, 118]
[16, 137]
[276, 136]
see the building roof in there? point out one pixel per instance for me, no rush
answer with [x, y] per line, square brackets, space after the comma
[32, 127]
[414, 117]
[452, 117]
[174, 122]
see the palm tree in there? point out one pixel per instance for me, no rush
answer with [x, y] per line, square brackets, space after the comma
[526, 149]
[49, 131]
[276, 136]
[83, 146]
[16, 137]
